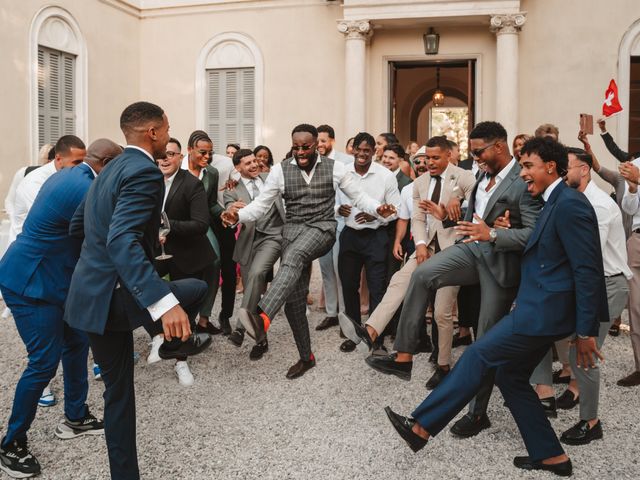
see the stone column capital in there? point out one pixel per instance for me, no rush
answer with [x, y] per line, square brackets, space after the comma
[508, 23]
[355, 29]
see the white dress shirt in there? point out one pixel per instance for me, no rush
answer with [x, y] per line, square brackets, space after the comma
[378, 183]
[549, 190]
[226, 172]
[612, 237]
[274, 186]
[167, 186]
[406, 202]
[482, 195]
[631, 202]
[247, 183]
[26, 194]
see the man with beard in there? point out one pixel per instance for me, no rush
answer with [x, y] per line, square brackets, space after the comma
[308, 184]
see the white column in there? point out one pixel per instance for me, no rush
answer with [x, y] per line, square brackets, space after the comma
[355, 60]
[507, 28]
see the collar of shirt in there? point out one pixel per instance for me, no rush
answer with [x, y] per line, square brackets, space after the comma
[373, 168]
[169, 181]
[142, 150]
[549, 190]
[332, 154]
[505, 171]
[95, 174]
[305, 175]
[247, 182]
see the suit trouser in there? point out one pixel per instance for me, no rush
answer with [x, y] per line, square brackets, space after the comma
[510, 358]
[362, 248]
[301, 245]
[588, 380]
[443, 305]
[633, 254]
[227, 241]
[469, 306]
[330, 280]
[265, 253]
[460, 264]
[48, 340]
[113, 351]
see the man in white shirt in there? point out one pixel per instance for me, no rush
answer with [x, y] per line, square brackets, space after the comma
[70, 151]
[364, 242]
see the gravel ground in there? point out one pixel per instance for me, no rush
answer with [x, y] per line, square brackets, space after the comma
[245, 420]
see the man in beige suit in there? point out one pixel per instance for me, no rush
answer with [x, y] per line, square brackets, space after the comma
[431, 192]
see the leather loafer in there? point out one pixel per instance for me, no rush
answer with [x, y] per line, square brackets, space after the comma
[225, 325]
[470, 425]
[209, 328]
[403, 426]
[300, 368]
[549, 405]
[237, 337]
[347, 346]
[328, 322]
[253, 325]
[259, 350]
[557, 379]
[630, 380]
[389, 366]
[436, 378]
[354, 331]
[567, 400]
[581, 434]
[459, 341]
[197, 343]
[563, 469]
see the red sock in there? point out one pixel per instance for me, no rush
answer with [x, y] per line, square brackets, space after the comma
[265, 319]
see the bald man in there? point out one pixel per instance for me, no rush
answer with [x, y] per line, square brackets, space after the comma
[35, 274]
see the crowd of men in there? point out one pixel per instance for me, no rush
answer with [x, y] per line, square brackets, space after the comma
[516, 244]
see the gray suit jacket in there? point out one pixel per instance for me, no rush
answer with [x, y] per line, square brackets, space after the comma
[242, 252]
[503, 257]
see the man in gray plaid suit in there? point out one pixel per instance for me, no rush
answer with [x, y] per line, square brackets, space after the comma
[307, 183]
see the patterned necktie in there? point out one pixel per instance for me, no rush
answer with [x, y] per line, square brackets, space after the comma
[254, 189]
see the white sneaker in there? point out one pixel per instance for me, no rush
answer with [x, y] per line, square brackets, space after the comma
[155, 346]
[47, 399]
[185, 378]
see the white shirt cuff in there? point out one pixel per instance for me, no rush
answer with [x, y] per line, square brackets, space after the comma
[162, 306]
[420, 242]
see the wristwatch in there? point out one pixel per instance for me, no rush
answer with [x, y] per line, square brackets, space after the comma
[493, 235]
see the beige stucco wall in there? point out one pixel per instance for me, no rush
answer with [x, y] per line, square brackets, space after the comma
[112, 40]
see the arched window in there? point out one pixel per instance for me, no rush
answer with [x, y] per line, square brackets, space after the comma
[229, 86]
[58, 61]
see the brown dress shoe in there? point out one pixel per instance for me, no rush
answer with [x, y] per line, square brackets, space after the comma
[301, 368]
[630, 380]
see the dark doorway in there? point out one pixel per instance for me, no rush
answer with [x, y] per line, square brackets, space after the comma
[412, 113]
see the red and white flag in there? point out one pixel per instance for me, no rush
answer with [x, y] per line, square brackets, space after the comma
[611, 104]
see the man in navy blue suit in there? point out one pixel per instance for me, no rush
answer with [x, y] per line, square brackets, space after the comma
[562, 290]
[115, 287]
[34, 278]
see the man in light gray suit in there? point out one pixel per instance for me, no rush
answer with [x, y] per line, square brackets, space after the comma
[487, 256]
[259, 243]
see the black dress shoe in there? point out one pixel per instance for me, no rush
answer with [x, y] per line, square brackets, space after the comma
[355, 332]
[558, 379]
[347, 346]
[403, 426]
[567, 400]
[237, 337]
[549, 405]
[301, 368]
[436, 378]
[253, 325]
[193, 346]
[459, 341]
[209, 328]
[581, 434]
[259, 350]
[470, 425]
[630, 380]
[389, 366]
[563, 469]
[328, 322]
[225, 325]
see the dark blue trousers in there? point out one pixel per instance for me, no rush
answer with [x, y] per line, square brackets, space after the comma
[48, 340]
[513, 358]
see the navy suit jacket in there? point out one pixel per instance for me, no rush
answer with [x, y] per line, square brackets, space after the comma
[119, 219]
[39, 263]
[562, 288]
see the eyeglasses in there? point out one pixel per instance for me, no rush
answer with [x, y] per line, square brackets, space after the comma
[476, 153]
[172, 154]
[304, 148]
[205, 152]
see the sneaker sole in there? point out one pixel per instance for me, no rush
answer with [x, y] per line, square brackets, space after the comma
[47, 404]
[15, 474]
[69, 433]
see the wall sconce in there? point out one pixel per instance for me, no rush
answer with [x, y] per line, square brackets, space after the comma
[431, 42]
[438, 95]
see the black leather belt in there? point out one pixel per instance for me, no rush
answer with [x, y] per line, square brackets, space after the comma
[614, 276]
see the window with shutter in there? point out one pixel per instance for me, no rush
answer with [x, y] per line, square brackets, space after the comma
[231, 107]
[56, 108]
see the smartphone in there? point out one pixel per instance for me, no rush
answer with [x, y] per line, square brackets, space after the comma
[586, 123]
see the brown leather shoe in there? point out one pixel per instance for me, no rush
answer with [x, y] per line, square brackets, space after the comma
[630, 380]
[301, 368]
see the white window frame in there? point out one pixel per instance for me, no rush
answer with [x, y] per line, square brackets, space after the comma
[212, 56]
[55, 28]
